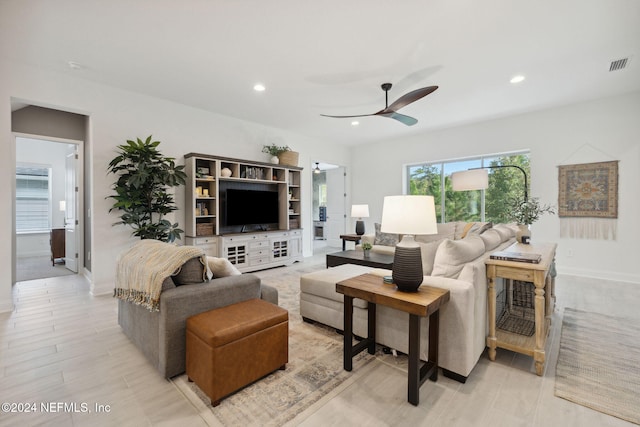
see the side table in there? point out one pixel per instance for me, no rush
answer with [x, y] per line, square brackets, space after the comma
[426, 302]
[349, 238]
[539, 275]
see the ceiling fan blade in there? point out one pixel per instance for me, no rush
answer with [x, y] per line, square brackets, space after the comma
[407, 120]
[410, 97]
[347, 117]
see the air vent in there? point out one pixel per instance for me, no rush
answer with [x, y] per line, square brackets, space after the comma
[618, 64]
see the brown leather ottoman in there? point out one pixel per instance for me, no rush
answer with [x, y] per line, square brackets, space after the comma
[230, 347]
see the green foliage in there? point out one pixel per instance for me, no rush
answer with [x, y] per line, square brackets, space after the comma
[505, 185]
[274, 149]
[144, 176]
[366, 246]
[528, 212]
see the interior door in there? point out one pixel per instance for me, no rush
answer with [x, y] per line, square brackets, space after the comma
[336, 206]
[71, 209]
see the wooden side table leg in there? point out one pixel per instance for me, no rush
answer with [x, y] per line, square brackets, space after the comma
[348, 333]
[414, 360]
[539, 303]
[492, 341]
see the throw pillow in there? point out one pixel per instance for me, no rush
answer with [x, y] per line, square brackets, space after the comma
[491, 238]
[168, 284]
[385, 239]
[192, 271]
[505, 232]
[452, 255]
[222, 267]
[477, 228]
[446, 230]
[428, 254]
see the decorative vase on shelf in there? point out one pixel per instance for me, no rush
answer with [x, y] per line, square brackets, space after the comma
[275, 160]
[225, 172]
[523, 235]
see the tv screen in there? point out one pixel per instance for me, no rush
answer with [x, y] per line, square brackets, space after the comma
[245, 207]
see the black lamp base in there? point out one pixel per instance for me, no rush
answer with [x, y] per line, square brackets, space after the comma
[359, 228]
[407, 268]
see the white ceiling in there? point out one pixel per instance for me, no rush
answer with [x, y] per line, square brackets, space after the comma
[331, 56]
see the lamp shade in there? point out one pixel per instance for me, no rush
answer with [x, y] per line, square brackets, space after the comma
[473, 179]
[359, 211]
[409, 215]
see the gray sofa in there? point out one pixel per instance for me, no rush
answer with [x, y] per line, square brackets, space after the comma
[160, 335]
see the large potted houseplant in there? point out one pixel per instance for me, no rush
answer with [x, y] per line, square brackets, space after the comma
[525, 213]
[144, 176]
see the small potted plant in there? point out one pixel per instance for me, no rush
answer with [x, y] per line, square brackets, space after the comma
[275, 151]
[366, 248]
[525, 213]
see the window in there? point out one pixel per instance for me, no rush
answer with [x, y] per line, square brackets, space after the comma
[505, 184]
[33, 202]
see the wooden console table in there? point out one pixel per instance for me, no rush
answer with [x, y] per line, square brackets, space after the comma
[539, 275]
[426, 302]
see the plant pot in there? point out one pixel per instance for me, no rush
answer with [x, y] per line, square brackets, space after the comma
[367, 253]
[523, 235]
[275, 160]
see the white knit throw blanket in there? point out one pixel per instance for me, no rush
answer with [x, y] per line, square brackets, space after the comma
[141, 270]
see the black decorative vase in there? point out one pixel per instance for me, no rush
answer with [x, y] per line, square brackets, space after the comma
[359, 228]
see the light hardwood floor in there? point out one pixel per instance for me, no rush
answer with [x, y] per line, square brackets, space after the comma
[62, 345]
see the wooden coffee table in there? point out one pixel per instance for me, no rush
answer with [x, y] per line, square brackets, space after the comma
[426, 302]
[374, 260]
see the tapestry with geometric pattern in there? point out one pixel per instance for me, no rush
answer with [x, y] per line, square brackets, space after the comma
[588, 190]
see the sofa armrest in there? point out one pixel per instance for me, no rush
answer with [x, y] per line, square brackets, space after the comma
[182, 302]
[269, 293]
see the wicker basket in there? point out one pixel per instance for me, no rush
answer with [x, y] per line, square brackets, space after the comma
[204, 229]
[289, 158]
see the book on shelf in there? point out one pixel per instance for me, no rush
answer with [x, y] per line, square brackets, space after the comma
[516, 256]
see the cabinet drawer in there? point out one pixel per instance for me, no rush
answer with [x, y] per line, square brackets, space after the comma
[259, 260]
[259, 244]
[204, 241]
[259, 253]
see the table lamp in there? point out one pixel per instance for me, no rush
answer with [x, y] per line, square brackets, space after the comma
[359, 211]
[408, 216]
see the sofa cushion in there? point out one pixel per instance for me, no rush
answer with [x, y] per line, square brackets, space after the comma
[491, 238]
[505, 231]
[428, 254]
[221, 267]
[452, 255]
[322, 283]
[386, 239]
[446, 230]
[168, 284]
[192, 271]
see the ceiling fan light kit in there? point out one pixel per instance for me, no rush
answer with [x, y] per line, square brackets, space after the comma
[391, 111]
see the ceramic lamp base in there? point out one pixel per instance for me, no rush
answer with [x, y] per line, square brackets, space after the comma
[407, 268]
[359, 228]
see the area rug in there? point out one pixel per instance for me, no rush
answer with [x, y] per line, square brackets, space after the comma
[598, 363]
[313, 375]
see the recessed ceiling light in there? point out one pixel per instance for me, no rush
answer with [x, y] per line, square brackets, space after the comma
[74, 65]
[517, 79]
[355, 123]
[259, 87]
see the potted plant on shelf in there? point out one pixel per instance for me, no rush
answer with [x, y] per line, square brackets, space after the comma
[281, 154]
[144, 175]
[525, 213]
[366, 248]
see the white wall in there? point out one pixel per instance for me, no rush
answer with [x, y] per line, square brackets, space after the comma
[115, 116]
[603, 130]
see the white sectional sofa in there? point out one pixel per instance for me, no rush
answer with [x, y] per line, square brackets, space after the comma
[456, 264]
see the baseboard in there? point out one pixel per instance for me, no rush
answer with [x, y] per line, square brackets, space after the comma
[6, 306]
[97, 289]
[599, 274]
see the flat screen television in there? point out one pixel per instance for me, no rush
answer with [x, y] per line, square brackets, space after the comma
[247, 207]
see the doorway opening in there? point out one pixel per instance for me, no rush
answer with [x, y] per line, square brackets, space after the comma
[328, 206]
[46, 207]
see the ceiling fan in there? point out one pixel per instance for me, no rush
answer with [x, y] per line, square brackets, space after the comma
[391, 111]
